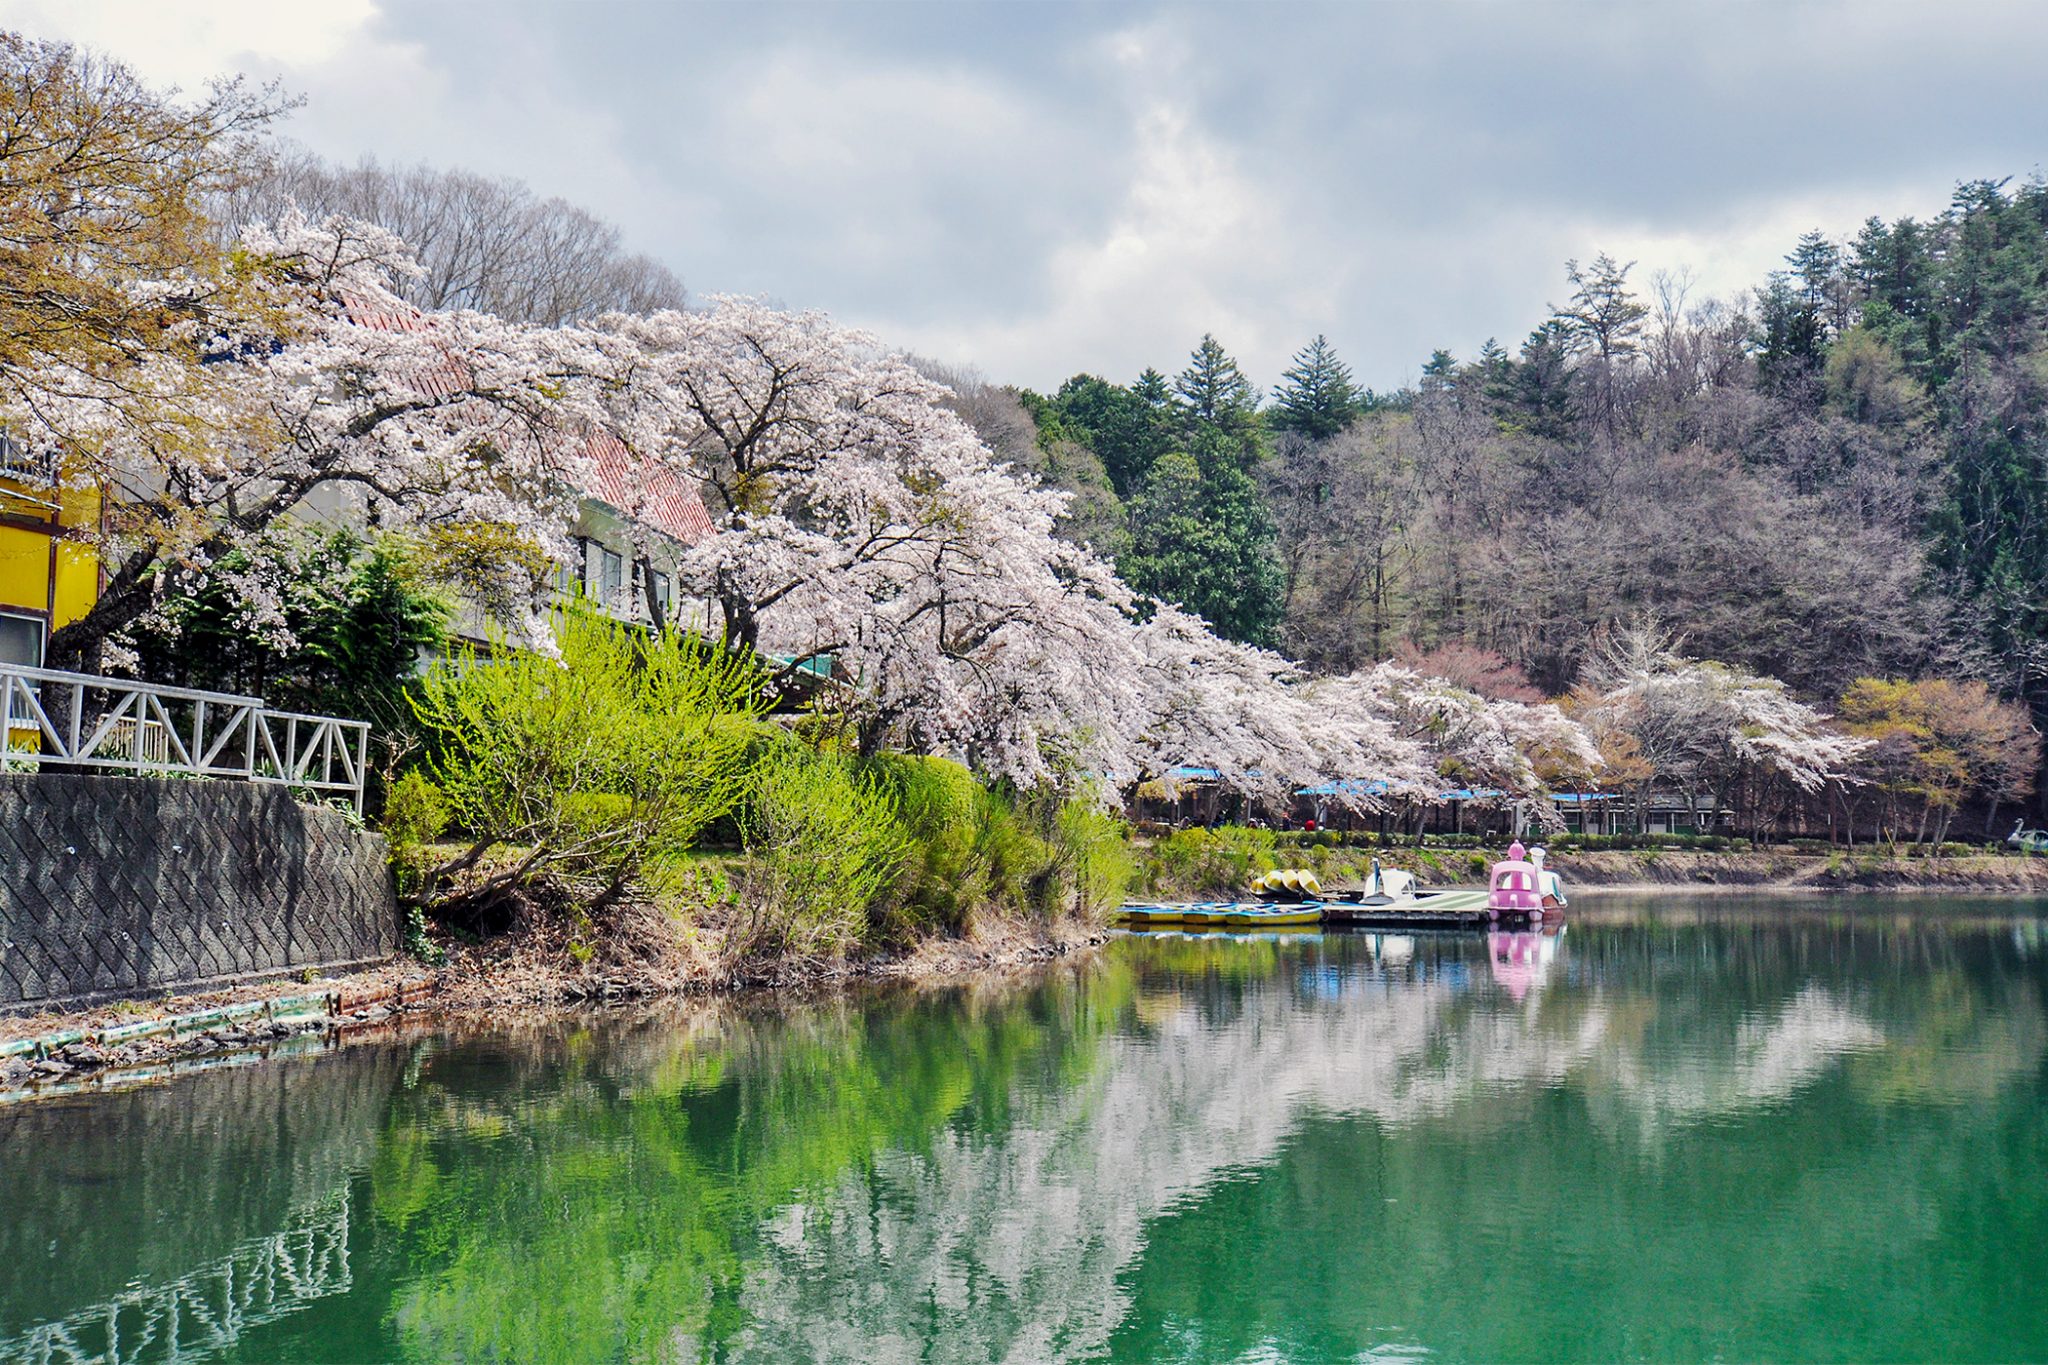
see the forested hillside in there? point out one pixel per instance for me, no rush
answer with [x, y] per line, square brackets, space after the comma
[1838, 474]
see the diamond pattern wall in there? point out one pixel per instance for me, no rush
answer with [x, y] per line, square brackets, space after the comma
[121, 886]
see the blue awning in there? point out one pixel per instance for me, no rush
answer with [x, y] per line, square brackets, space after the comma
[1348, 786]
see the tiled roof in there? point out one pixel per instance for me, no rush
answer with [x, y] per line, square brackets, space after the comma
[648, 492]
[645, 491]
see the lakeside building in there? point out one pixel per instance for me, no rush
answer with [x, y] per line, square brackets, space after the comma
[633, 523]
[49, 574]
[1660, 813]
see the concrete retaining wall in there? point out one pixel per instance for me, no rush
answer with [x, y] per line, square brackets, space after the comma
[120, 886]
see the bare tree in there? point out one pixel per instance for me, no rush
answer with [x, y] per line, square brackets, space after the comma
[484, 243]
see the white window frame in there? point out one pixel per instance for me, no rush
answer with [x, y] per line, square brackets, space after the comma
[13, 717]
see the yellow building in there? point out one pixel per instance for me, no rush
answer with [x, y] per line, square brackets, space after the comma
[49, 575]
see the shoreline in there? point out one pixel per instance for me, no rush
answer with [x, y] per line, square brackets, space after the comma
[1844, 871]
[114, 1043]
[541, 966]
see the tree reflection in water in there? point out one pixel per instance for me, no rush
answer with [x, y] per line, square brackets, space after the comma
[1773, 1131]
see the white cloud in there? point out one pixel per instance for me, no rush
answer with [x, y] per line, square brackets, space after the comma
[1198, 241]
[189, 42]
[1041, 190]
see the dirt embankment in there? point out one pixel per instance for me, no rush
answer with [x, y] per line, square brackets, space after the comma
[1842, 871]
[635, 952]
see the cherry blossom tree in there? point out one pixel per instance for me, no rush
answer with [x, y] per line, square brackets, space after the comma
[1705, 726]
[858, 516]
[1515, 748]
[328, 397]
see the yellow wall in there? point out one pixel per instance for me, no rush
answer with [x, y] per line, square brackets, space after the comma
[59, 586]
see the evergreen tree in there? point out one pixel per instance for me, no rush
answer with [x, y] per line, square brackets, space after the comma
[1815, 262]
[1539, 387]
[1202, 537]
[1126, 432]
[1794, 336]
[1213, 390]
[1153, 390]
[1315, 397]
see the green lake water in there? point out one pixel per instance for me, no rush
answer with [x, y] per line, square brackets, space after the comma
[1681, 1130]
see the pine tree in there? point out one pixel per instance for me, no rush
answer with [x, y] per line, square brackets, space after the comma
[1201, 537]
[1315, 397]
[1213, 390]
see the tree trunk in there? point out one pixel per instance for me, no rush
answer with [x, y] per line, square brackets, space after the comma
[656, 616]
[80, 646]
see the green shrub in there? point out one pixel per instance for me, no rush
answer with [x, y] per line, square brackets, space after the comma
[619, 752]
[415, 811]
[823, 845]
[1096, 849]
[977, 849]
[946, 876]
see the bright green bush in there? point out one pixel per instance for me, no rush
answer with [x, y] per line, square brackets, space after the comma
[977, 850]
[824, 845]
[415, 811]
[620, 751]
[946, 878]
[1096, 848]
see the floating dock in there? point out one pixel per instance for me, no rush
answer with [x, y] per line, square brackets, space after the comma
[1452, 908]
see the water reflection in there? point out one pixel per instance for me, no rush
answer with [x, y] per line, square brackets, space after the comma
[1757, 1131]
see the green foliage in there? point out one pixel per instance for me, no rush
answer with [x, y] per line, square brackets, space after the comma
[415, 811]
[948, 875]
[823, 846]
[618, 753]
[415, 814]
[607, 766]
[1096, 849]
[353, 619]
[1125, 429]
[495, 567]
[1222, 861]
[1202, 537]
[1615, 843]
[1213, 390]
[977, 850]
[1316, 397]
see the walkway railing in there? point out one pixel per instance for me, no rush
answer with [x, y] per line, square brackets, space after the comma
[78, 721]
[207, 1311]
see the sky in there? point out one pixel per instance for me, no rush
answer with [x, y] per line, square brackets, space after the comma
[1039, 189]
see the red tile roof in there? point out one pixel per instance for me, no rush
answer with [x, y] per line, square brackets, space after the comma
[651, 493]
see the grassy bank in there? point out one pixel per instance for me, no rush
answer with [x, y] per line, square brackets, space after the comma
[633, 816]
[1205, 863]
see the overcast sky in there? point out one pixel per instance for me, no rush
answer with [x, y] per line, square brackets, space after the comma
[1039, 189]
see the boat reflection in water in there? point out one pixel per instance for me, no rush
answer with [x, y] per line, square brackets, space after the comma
[1521, 959]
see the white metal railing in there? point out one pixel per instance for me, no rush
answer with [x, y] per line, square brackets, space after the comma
[206, 1311]
[80, 721]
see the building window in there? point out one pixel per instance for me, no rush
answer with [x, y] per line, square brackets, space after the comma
[664, 592]
[21, 644]
[21, 641]
[604, 576]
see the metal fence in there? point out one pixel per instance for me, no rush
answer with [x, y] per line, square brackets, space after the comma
[75, 721]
